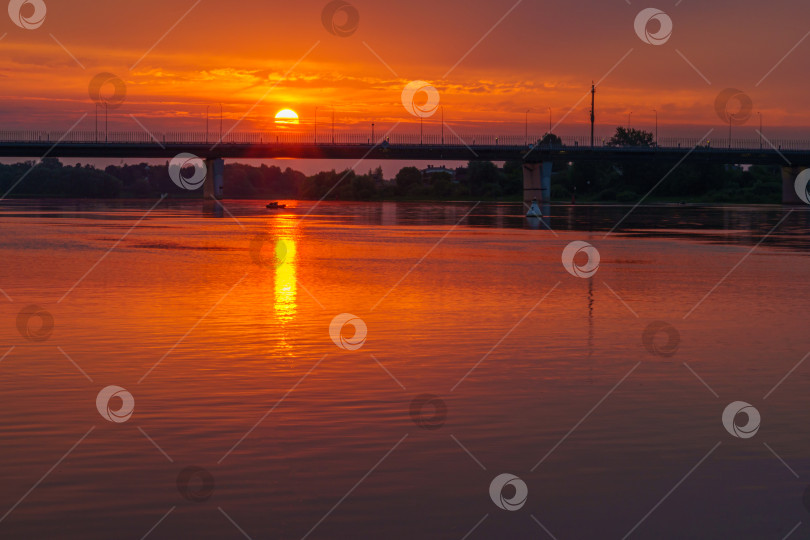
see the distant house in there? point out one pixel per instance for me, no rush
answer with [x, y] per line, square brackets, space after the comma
[431, 170]
[453, 173]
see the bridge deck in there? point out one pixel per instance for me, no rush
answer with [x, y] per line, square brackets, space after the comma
[435, 152]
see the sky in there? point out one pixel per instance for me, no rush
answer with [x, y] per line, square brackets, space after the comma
[490, 62]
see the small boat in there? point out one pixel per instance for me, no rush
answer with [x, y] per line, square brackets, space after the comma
[275, 206]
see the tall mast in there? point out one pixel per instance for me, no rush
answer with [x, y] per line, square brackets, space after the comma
[593, 112]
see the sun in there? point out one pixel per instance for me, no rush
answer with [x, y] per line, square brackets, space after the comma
[286, 116]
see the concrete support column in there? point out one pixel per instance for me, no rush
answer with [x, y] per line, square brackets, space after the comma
[214, 187]
[790, 191]
[537, 182]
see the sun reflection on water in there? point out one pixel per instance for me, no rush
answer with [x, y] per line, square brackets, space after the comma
[285, 289]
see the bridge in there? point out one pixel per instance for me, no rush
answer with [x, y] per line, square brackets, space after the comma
[791, 155]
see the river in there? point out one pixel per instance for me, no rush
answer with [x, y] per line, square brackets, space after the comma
[370, 370]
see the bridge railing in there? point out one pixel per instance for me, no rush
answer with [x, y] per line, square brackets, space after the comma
[325, 137]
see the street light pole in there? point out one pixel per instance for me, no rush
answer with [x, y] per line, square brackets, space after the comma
[656, 126]
[316, 125]
[96, 121]
[333, 125]
[220, 122]
[593, 109]
[372, 134]
[526, 140]
[106, 122]
[207, 107]
[442, 125]
[729, 131]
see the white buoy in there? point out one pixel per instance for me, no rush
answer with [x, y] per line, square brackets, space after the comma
[534, 210]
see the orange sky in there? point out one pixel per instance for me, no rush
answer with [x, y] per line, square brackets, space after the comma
[540, 55]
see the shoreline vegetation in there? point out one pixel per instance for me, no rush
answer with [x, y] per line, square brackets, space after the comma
[580, 182]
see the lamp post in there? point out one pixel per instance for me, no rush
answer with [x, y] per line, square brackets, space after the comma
[442, 125]
[220, 122]
[96, 121]
[593, 109]
[526, 140]
[316, 126]
[656, 126]
[207, 107]
[333, 125]
[729, 131]
[106, 122]
[372, 134]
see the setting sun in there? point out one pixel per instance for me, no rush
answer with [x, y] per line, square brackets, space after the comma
[286, 116]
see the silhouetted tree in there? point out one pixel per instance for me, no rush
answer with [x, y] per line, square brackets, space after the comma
[549, 139]
[631, 137]
[483, 178]
[407, 179]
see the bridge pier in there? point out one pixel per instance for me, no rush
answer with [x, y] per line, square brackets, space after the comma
[214, 186]
[789, 195]
[537, 182]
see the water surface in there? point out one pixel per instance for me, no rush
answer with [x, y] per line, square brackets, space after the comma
[544, 375]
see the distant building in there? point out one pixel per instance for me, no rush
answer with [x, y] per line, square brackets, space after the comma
[454, 174]
[431, 170]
